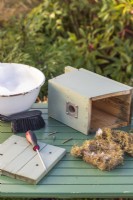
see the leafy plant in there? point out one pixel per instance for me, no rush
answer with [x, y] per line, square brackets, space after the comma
[92, 34]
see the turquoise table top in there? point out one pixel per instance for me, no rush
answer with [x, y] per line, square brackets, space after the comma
[71, 177]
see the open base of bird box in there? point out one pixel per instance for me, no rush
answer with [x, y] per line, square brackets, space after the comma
[20, 161]
[111, 111]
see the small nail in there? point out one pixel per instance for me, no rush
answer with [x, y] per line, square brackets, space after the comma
[67, 140]
[52, 133]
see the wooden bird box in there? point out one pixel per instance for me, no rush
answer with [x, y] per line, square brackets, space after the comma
[87, 101]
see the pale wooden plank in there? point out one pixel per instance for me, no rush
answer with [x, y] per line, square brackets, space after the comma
[32, 172]
[18, 158]
[18, 162]
[11, 148]
[50, 155]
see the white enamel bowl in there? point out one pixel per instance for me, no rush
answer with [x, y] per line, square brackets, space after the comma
[19, 87]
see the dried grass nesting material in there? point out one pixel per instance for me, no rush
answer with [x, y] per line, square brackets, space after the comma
[124, 139]
[101, 153]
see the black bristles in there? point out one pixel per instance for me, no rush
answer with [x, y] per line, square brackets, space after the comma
[23, 125]
[22, 122]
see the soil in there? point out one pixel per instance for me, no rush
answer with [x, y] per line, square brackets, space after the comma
[11, 8]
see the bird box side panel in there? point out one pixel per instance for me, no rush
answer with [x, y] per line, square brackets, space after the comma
[69, 107]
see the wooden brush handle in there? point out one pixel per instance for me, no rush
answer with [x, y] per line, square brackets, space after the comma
[21, 115]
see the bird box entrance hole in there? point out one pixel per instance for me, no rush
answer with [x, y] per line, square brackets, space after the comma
[113, 111]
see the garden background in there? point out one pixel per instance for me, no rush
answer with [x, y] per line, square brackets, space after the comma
[51, 34]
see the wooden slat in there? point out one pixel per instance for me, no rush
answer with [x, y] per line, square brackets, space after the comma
[91, 172]
[68, 180]
[10, 149]
[18, 158]
[17, 163]
[74, 180]
[73, 191]
[50, 155]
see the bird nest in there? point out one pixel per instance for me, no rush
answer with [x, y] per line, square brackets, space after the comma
[106, 150]
[122, 138]
[101, 153]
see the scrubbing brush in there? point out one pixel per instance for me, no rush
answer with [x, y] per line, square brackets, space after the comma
[24, 121]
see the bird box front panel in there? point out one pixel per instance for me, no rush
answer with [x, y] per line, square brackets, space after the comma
[86, 101]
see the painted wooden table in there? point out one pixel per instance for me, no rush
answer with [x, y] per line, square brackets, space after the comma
[71, 177]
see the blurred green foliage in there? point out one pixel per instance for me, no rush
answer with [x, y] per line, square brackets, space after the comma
[92, 34]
